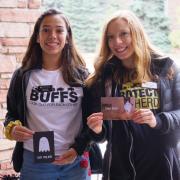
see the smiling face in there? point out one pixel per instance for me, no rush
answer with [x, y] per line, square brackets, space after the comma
[52, 35]
[120, 41]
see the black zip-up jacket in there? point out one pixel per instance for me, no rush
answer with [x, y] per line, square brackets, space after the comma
[16, 110]
[138, 152]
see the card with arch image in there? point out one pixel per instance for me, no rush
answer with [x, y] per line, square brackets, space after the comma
[112, 106]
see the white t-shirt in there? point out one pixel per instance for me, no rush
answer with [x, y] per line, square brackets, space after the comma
[53, 106]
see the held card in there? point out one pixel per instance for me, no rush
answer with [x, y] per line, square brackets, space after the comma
[43, 143]
[112, 106]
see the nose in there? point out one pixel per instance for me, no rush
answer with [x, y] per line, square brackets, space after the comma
[52, 34]
[118, 40]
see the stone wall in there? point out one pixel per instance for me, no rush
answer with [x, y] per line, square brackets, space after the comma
[17, 19]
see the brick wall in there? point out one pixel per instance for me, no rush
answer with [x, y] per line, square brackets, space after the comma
[17, 19]
[6, 147]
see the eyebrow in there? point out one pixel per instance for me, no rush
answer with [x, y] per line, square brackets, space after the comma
[55, 26]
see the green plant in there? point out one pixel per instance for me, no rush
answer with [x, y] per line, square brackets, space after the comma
[152, 15]
[175, 38]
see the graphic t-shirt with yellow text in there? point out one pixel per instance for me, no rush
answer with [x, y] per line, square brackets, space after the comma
[146, 94]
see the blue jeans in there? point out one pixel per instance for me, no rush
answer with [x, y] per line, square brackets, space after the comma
[49, 171]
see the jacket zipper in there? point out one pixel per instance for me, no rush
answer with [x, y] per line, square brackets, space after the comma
[130, 160]
[110, 152]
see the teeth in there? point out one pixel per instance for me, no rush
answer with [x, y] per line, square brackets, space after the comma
[120, 50]
[52, 44]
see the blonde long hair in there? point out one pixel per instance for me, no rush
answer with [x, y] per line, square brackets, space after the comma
[143, 49]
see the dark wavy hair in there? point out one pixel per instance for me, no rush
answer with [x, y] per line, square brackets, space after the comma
[72, 63]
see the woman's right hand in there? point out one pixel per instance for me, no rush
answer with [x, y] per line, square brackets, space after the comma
[95, 121]
[21, 133]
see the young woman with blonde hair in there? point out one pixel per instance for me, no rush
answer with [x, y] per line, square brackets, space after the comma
[142, 143]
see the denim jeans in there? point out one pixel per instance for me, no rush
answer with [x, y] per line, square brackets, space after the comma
[49, 171]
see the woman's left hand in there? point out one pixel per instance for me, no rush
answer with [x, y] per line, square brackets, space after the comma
[67, 158]
[144, 116]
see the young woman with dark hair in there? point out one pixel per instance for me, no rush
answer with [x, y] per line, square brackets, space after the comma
[46, 94]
